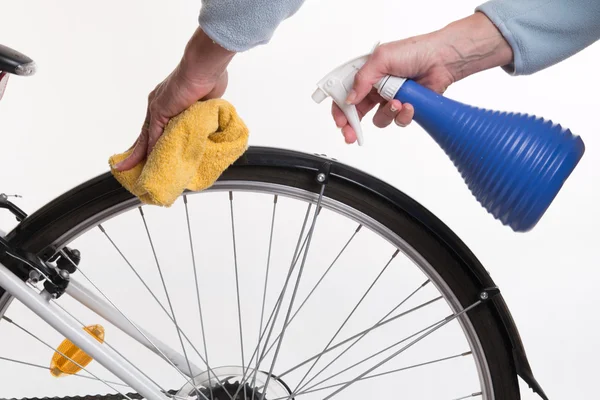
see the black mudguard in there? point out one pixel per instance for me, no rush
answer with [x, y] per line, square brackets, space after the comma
[91, 192]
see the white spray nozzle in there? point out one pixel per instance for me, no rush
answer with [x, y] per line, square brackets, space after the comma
[337, 85]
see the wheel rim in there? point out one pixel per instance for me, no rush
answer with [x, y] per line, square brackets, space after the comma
[341, 209]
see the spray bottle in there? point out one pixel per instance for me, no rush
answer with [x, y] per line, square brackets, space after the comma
[514, 164]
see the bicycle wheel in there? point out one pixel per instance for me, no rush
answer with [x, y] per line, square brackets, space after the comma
[292, 269]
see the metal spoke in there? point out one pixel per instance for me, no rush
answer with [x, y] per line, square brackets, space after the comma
[264, 298]
[447, 320]
[108, 345]
[373, 327]
[48, 369]
[469, 396]
[114, 245]
[64, 355]
[362, 336]
[237, 281]
[289, 311]
[274, 313]
[189, 228]
[162, 354]
[269, 326]
[317, 284]
[162, 279]
[374, 355]
[265, 353]
[436, 361]
[439, 360]
[348, 317]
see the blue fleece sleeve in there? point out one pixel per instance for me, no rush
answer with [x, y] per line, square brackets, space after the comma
[239, 25]
[544, 32]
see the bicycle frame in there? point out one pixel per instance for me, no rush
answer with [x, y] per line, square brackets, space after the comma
[42, 305]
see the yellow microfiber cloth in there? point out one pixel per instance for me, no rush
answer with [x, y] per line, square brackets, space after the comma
[196, 147]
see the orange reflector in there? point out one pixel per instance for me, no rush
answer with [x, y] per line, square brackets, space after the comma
[61, 365]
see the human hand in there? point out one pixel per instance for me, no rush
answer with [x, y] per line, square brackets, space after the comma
[201, 75]
[435, 60]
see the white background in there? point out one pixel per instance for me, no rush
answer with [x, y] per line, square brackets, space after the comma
[98, 60]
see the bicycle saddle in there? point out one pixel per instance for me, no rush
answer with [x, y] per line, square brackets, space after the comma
[13, 62]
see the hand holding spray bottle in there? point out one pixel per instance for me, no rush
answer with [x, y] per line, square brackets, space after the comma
[514, 164]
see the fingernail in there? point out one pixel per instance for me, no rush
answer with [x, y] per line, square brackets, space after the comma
[118, 165]
[399, 124]
[351, 97]
[393, 109]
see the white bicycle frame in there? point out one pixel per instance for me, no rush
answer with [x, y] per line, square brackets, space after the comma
[42, 305]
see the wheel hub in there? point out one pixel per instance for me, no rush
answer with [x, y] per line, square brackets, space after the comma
[231, 383]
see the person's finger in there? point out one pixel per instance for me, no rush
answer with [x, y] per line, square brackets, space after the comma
[362, 109]
[139, 148]
[349, 134]
[157, 123]
[367, 76]
[338, 115]
[134, 144]
[386, 113]
[144, 128]
[138, 154]
[155, 130]
[405, 115]
[369, 102]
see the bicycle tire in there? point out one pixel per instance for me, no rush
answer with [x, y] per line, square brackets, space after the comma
[94, 200]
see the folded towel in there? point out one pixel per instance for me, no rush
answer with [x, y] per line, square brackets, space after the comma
[197, 146]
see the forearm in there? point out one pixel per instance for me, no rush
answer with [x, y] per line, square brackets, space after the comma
[544, 32]
[470, 45]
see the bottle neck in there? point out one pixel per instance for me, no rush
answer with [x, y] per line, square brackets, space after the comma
[388, 86]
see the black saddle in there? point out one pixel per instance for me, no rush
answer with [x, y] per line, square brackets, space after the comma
[13, 62]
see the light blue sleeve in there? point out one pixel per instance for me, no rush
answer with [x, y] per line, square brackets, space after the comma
[544, 32]
[239, 25]
[540, 32]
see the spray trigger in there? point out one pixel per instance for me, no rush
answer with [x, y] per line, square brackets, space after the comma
[337, 84]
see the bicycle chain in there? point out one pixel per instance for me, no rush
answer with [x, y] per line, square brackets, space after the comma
[228, 387]
[112, 396]
[216, 394]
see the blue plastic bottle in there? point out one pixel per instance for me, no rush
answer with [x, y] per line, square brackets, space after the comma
[514, 164]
